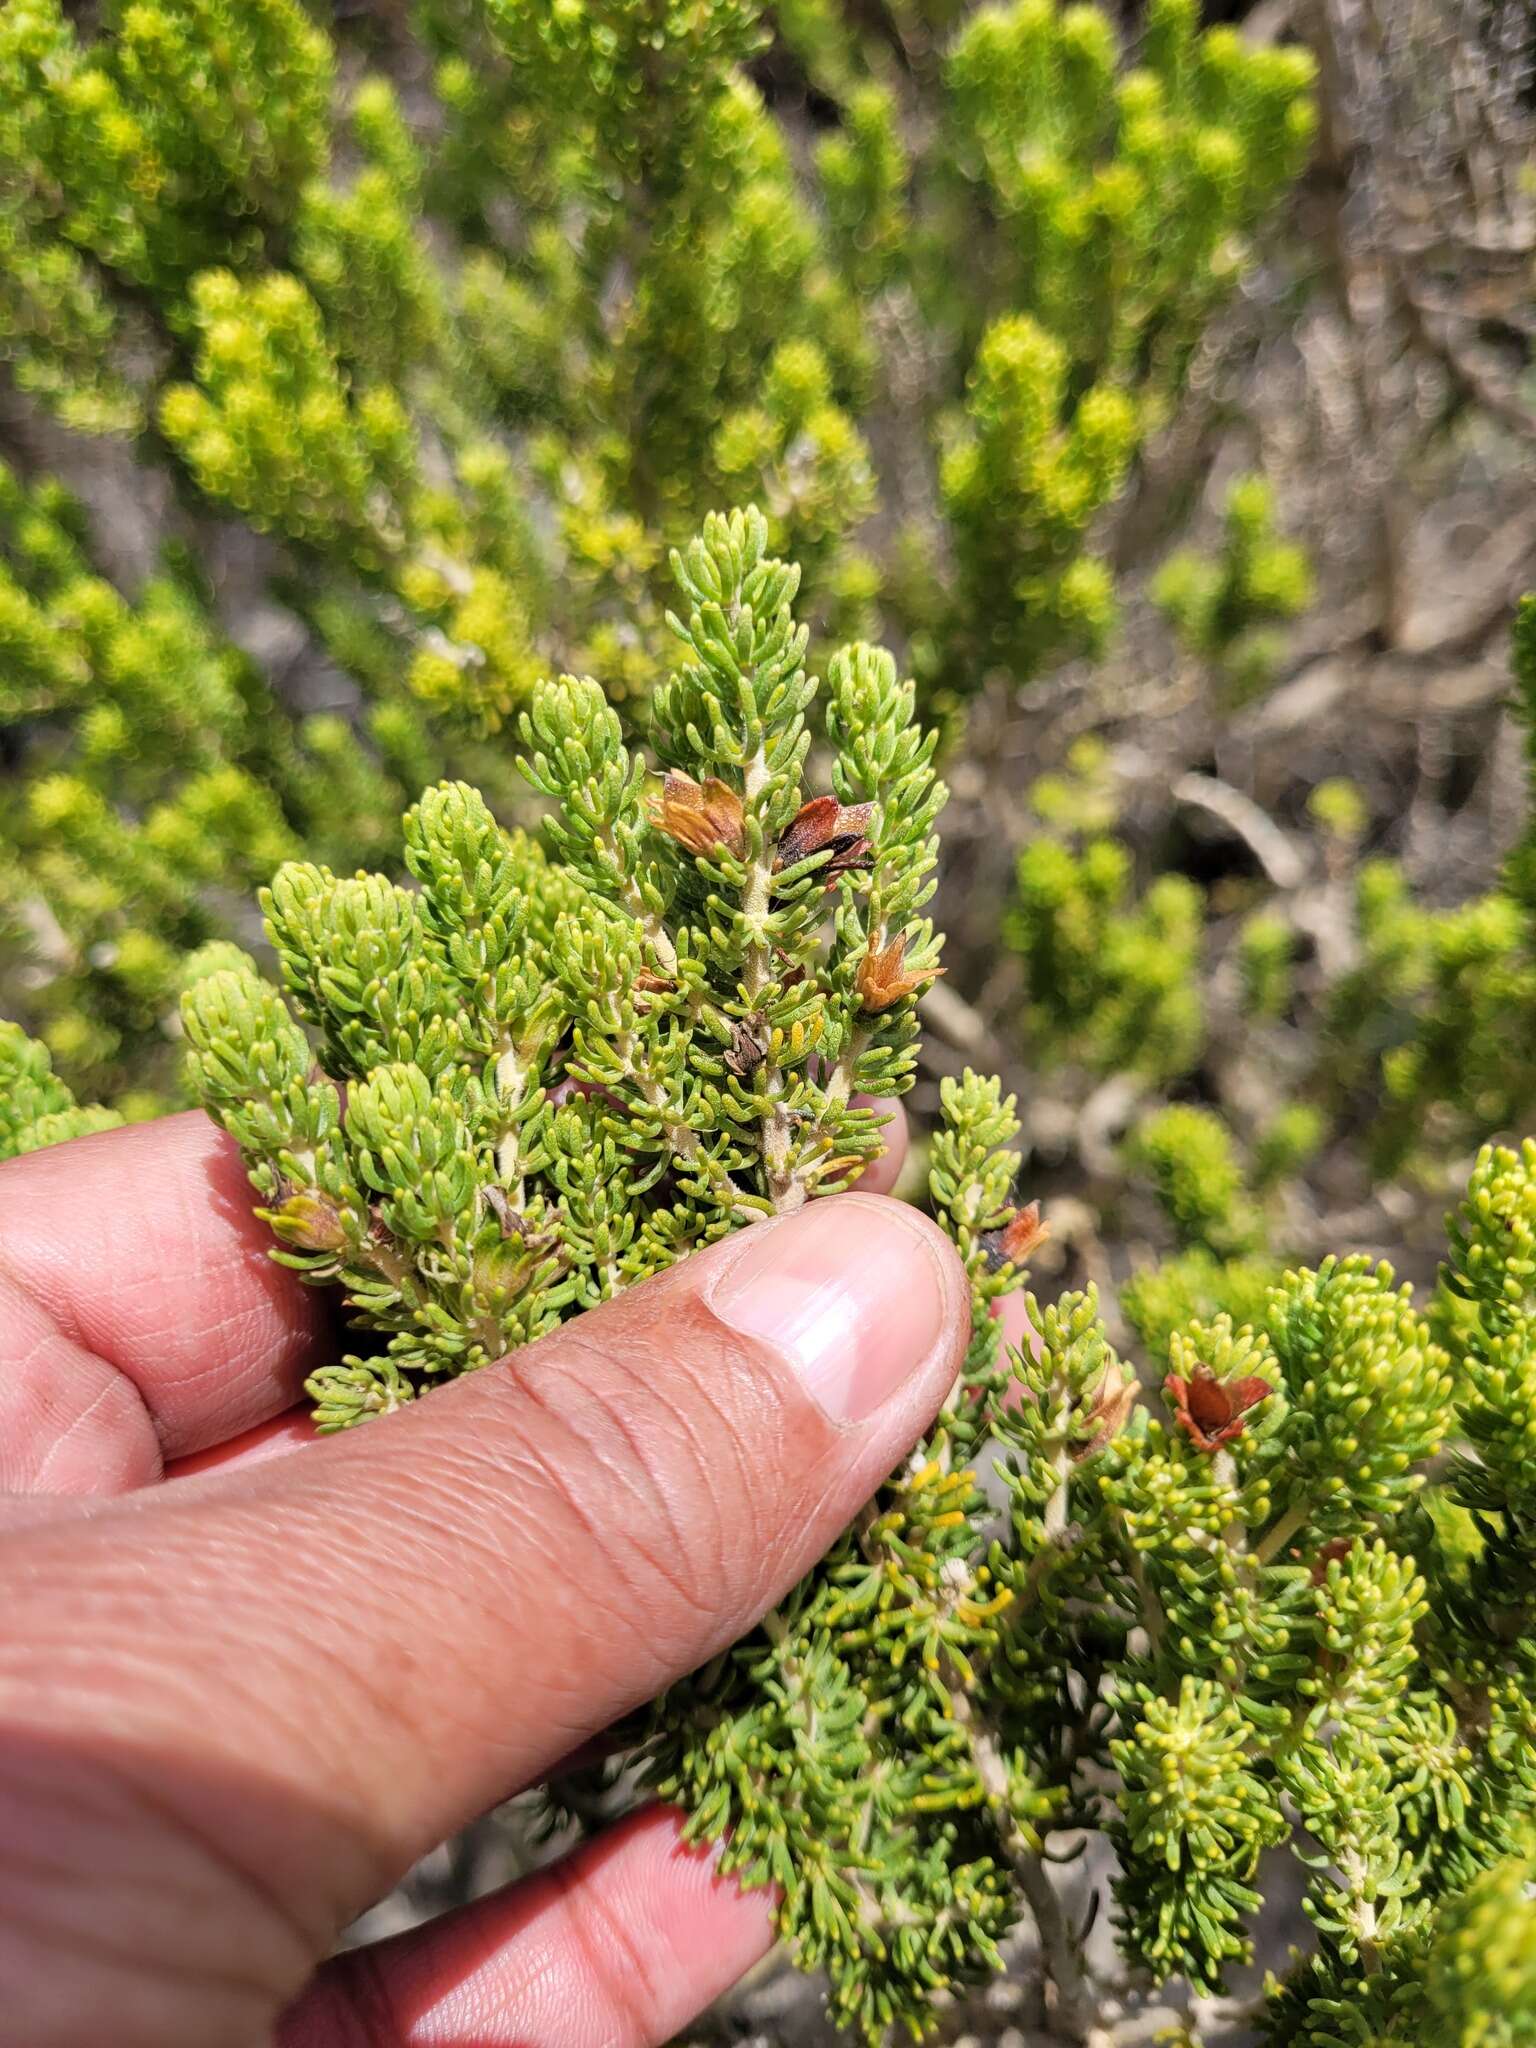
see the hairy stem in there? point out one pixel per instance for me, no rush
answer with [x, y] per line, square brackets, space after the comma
[785, 1190]
[1269, 1547]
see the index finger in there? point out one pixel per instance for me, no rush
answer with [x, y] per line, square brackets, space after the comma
[142, 1318]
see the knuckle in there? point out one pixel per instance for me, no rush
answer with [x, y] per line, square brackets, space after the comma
[652, 1465]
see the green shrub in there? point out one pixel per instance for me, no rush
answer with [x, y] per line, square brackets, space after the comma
[1259, 1610]
[473, 357]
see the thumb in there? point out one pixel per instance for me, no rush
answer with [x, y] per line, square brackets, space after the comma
[325, 1663]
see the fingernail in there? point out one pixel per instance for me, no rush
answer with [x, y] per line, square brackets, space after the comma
[850, 1291]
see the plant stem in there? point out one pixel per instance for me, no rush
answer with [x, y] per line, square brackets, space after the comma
[1269, 1547]
[1070, 2003]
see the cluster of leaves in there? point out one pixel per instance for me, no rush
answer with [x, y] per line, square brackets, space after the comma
[667, 310]
[1406, 1044]
[473, 357]
[1238, 1616]
[36, 1109]
[1447, 997]
[1225, 606]
[1112, 974]
[157, 777]
[650, 1032]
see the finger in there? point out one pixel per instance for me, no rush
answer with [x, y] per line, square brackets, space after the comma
[334, 1660]
[881, 1175]
[622, 1942]
[291, 1431]
[141, 1316]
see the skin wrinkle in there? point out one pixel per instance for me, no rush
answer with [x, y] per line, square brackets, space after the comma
[368, 2014]
[154, 1945]
[649, 1456]
[110, 1393]
[271, 1898]
[275, 1713]
[599, 1934]
[87, 1943]
[179, 1961]
[627, 1614]
[37, 1369]
[62, 1336]
[759, 1546]
[496, 1615]
[504, 1612]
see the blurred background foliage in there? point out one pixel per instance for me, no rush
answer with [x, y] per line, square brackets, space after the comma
[387, 355]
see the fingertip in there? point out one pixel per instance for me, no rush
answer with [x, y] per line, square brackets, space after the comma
[863, 1295]
[143, 1248]
[623, 1941]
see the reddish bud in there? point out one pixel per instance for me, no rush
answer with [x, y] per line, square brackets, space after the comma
[1333, 1552]
[825, 825]
[1211, 1412]
[309, 1221]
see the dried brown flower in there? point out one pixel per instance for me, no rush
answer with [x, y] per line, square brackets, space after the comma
[648, 984]
[705, 817]
[1113, 1401]
[824, 824]
[1211, 1411]
[747, 1052]
[1018, 1239]
[883, 979]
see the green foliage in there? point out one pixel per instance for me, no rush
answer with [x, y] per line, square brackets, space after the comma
[1188, 1156]
[1259, 1610]
[665, 964]
[1113, 205]
[1223, 606]
[36, 1109]
[663, 248]
[156, 769]
[1405, 1038]
[1112, 976]
[1441, 1001]
[472, 346]
[1194, 1286]
[1266, 951]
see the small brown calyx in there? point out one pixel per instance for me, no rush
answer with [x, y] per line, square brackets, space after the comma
[514, 1224]
[648, 984]
[825, 825]
[884, 979]
[704, 817]
[1211, 1412]
[747, 1049]
[506, 1216]
[1017, 1240]
[1113, 1400]
[1333, 1552]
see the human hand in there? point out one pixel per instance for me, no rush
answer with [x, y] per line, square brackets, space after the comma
[236, 1706]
